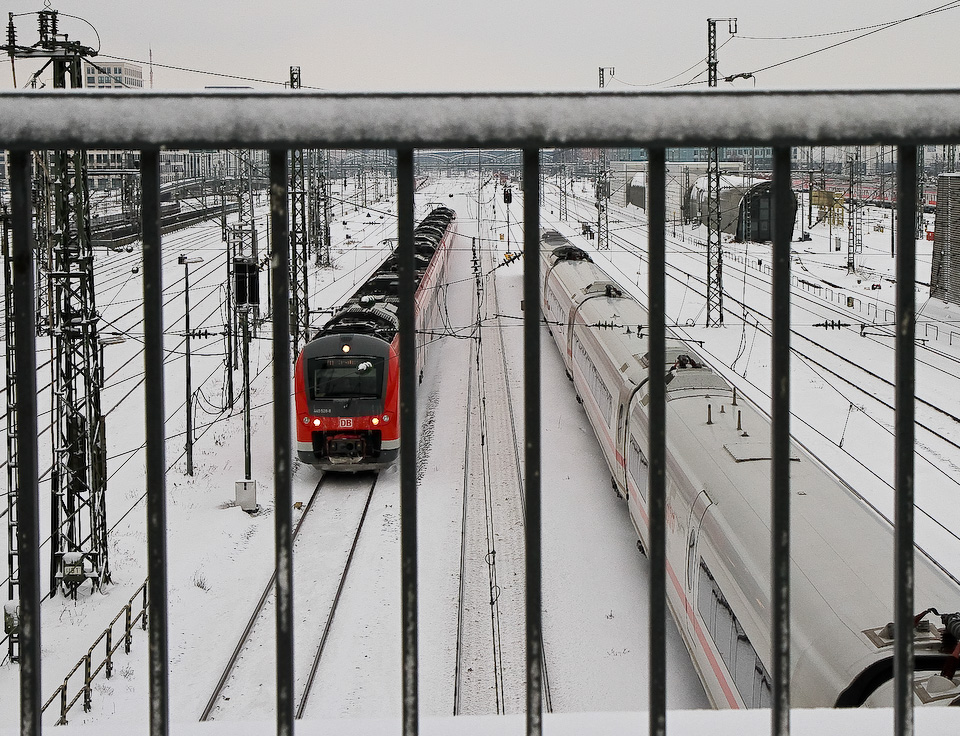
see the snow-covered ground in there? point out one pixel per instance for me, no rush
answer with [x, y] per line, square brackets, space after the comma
[594, 579]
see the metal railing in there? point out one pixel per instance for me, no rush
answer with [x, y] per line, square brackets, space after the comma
[90, 671]
[280, 121]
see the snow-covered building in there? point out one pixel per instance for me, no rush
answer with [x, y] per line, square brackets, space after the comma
[112, 75]
[746, 203]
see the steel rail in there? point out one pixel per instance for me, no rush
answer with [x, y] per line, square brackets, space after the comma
[532, 439]
[517, 440]
[904, 445]
[302, 119]
[808, 358]
[490, 526]
[458, 669]
[258, 609]
[333, 608]
[656, 287]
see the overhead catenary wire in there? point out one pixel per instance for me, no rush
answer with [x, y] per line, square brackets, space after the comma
[873, 29]
[223, 75]
[887, 24]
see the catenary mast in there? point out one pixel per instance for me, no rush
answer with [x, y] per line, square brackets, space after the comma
[79, 550]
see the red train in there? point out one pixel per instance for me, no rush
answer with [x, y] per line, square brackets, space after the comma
[346, 378]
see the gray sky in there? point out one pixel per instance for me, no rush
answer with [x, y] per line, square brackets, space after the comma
[501, 45]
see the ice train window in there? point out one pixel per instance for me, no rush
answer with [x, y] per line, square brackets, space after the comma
[749, 675]
[637, 467]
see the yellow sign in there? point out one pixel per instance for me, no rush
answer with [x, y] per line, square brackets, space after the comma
[830, 206]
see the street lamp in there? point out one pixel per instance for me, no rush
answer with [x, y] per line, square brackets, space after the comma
[186, 261]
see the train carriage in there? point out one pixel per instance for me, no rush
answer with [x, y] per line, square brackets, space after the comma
[718, 517]
[346, 378]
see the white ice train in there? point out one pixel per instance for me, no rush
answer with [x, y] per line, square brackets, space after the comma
[718, 518]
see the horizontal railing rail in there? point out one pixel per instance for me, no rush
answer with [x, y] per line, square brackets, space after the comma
[151, 121]
[90, 670]
[117, 119]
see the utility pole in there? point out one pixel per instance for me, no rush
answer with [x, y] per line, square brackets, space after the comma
[507, 199]
[299, 308]
[247, 291]
[603, 185]
[714, 242]
[563, 184]
[241, 252]
[185, 261]
[921, 192]
[79, 550]
[11, 618]
[893, 202]
[854, 204]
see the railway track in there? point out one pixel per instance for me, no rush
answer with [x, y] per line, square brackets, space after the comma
[831, 354]
[827, 359]
[819, 308]
[328, 530]
[490, 657]
[517, 443]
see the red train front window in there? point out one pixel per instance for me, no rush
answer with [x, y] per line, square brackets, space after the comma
[347, 377]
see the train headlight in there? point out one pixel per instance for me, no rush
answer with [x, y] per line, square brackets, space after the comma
[386, 417]
[316, 422]
[345, 348]
[375, 421]
[306, 420]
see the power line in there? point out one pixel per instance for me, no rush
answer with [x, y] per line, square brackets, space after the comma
[942, 8]
[208, 73]
[870, 29]
[939, 9]
[690, 68]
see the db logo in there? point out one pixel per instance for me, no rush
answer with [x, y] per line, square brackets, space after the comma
[346, 423]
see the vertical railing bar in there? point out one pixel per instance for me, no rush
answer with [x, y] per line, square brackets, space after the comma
[28, 524]
[656, 286]
[904, 440]
[153, 361]
[532, 414]
[408, 440]
[780, 443]
[282, 452]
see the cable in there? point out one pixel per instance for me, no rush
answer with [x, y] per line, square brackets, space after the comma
[679, 74]
[208, 73]
[883, 27]
[940, 9]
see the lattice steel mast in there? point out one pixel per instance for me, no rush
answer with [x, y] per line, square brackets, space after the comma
[299, 299]
[79, 549]
[603, 185]
[921, 192]
[714, 243]
[13, 549]
[854, 209]
[562, 175]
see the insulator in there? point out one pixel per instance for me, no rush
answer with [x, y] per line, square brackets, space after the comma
[11, 34]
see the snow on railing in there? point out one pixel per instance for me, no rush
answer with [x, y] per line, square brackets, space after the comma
[90, 672]
[295, 119]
